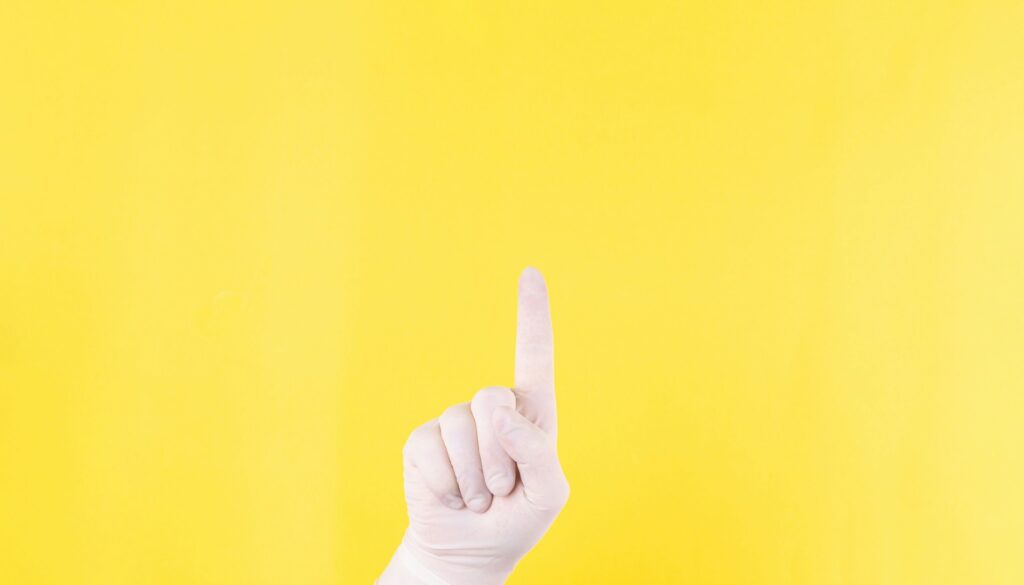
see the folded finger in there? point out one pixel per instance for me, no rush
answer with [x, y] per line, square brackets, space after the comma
[458, 429]
[499, 469]
[425, 453]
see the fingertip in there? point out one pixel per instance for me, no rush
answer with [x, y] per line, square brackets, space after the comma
[501, 484]
[453, 501]
[532, 281]
[479, 504]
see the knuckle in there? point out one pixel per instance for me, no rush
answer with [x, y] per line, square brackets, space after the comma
[493, 395]
[554, 496]
[556, 491]
[408, 450]
[416, 439]
[453, 412]
[561, 496]
[566, 488]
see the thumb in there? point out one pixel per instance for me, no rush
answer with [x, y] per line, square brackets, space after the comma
[534, 452]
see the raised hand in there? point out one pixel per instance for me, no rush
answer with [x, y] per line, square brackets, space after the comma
[483, 482]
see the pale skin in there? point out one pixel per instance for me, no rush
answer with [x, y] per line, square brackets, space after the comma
[483, 481]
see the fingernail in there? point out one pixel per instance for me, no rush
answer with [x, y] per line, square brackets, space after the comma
[499, 484]
[453, 501]
[477, 503]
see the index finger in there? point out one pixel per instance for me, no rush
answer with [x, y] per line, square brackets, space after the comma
[535, 360]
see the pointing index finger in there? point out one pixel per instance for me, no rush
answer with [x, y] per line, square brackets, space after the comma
[535, 362]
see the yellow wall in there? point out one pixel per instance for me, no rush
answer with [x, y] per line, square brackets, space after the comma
[245, 249]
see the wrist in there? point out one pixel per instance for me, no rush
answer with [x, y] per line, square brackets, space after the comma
[413, 565]
[404, 569]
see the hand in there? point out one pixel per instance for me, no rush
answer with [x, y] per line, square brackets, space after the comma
[483, 482]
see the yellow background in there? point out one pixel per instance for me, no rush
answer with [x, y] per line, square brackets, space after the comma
[245, 248]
